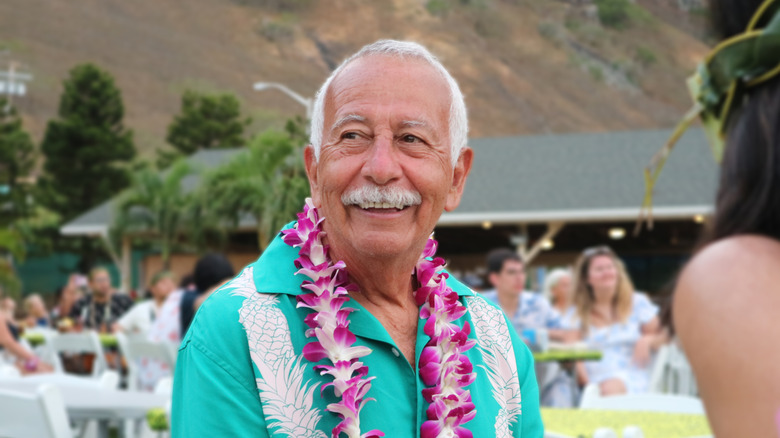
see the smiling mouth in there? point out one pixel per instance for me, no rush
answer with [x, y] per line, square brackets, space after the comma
[381, 206]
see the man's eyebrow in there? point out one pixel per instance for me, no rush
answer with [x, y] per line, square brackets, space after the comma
[346, 119]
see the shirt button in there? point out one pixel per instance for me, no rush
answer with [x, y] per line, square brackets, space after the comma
[396, 352]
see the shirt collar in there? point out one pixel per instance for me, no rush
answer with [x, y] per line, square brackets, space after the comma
[274, 271]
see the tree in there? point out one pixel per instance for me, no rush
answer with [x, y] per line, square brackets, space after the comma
[158, 207]
[205, 122]
[17, 158]
[267, 181]
[12, 249]
[88, 148]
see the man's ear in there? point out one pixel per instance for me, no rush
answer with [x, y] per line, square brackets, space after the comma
[493, 279]
[311, 172]
[459, 175]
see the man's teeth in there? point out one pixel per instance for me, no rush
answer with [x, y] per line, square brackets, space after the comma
[365, 205]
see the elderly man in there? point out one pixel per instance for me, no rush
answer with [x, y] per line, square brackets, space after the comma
[347, 326]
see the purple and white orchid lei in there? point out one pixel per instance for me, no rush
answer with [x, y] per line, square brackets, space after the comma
[443, 366]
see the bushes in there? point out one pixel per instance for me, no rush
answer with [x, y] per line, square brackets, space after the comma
[614, 13]
[645, 56]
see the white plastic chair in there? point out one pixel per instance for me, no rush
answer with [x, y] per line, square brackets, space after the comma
[75, 343]
[164, 386]
[135, 348]
[40, 414]
[672, 374]
[9, 372]
[648, 402]
[44, 350]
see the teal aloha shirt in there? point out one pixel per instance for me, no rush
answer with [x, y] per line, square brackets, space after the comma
[241, 373]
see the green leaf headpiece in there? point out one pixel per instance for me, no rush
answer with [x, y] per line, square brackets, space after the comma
[719, 85]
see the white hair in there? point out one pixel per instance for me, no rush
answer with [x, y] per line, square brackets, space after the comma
[458, 119]
[552, 280]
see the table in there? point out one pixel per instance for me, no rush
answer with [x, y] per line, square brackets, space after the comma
[582, 423]
[566, 355]
[92, 403]
[36, 339]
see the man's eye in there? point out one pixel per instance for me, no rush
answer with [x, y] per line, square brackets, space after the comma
[409, 138]
[349, 135]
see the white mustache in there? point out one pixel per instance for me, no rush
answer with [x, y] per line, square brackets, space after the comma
[372, 196]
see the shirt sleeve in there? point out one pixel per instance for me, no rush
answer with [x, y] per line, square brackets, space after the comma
[214, 389]
[644, 309]
[209, 401]
[75, 311]
[128, 321]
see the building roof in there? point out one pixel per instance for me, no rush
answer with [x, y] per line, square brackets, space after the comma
[583, 178]
[586, 177]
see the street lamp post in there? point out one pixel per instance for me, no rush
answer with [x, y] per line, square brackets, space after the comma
[308, 103]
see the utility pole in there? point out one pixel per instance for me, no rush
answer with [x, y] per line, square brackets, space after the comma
[13, 83]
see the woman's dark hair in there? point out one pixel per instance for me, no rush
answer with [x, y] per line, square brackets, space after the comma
[211, 270]
[731, 17]
[748, 198]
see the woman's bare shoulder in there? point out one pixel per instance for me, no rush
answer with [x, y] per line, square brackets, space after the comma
[725, 314]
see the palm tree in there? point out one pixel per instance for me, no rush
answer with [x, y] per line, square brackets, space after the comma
[267, 182]
[158, 207]
[12, 248]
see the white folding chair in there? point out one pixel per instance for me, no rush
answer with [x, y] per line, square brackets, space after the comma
[135, 348]
[672, 374]
[39, 414]
[9, 372]
[628, 432]
[549, 434]
[649, 402]
[76, 343]
[44, 349]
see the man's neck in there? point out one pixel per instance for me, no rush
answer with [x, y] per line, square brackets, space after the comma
[385, 281]
[386, 290]
[101, 299]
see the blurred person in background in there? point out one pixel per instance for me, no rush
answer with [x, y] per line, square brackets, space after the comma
[210, 272]
[557, 289]
[559, 388]
[8, 308]
[100, 309]
[65, 298]
[727, 299]
[157, 320]
[140, 317]
[23, 359]
[187, 283]
[35, 311]
[533, 318]
[530, 313]
[616, 320]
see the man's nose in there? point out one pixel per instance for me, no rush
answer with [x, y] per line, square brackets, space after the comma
[381, 165]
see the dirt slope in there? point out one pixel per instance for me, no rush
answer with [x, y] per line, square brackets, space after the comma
[527, 66]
